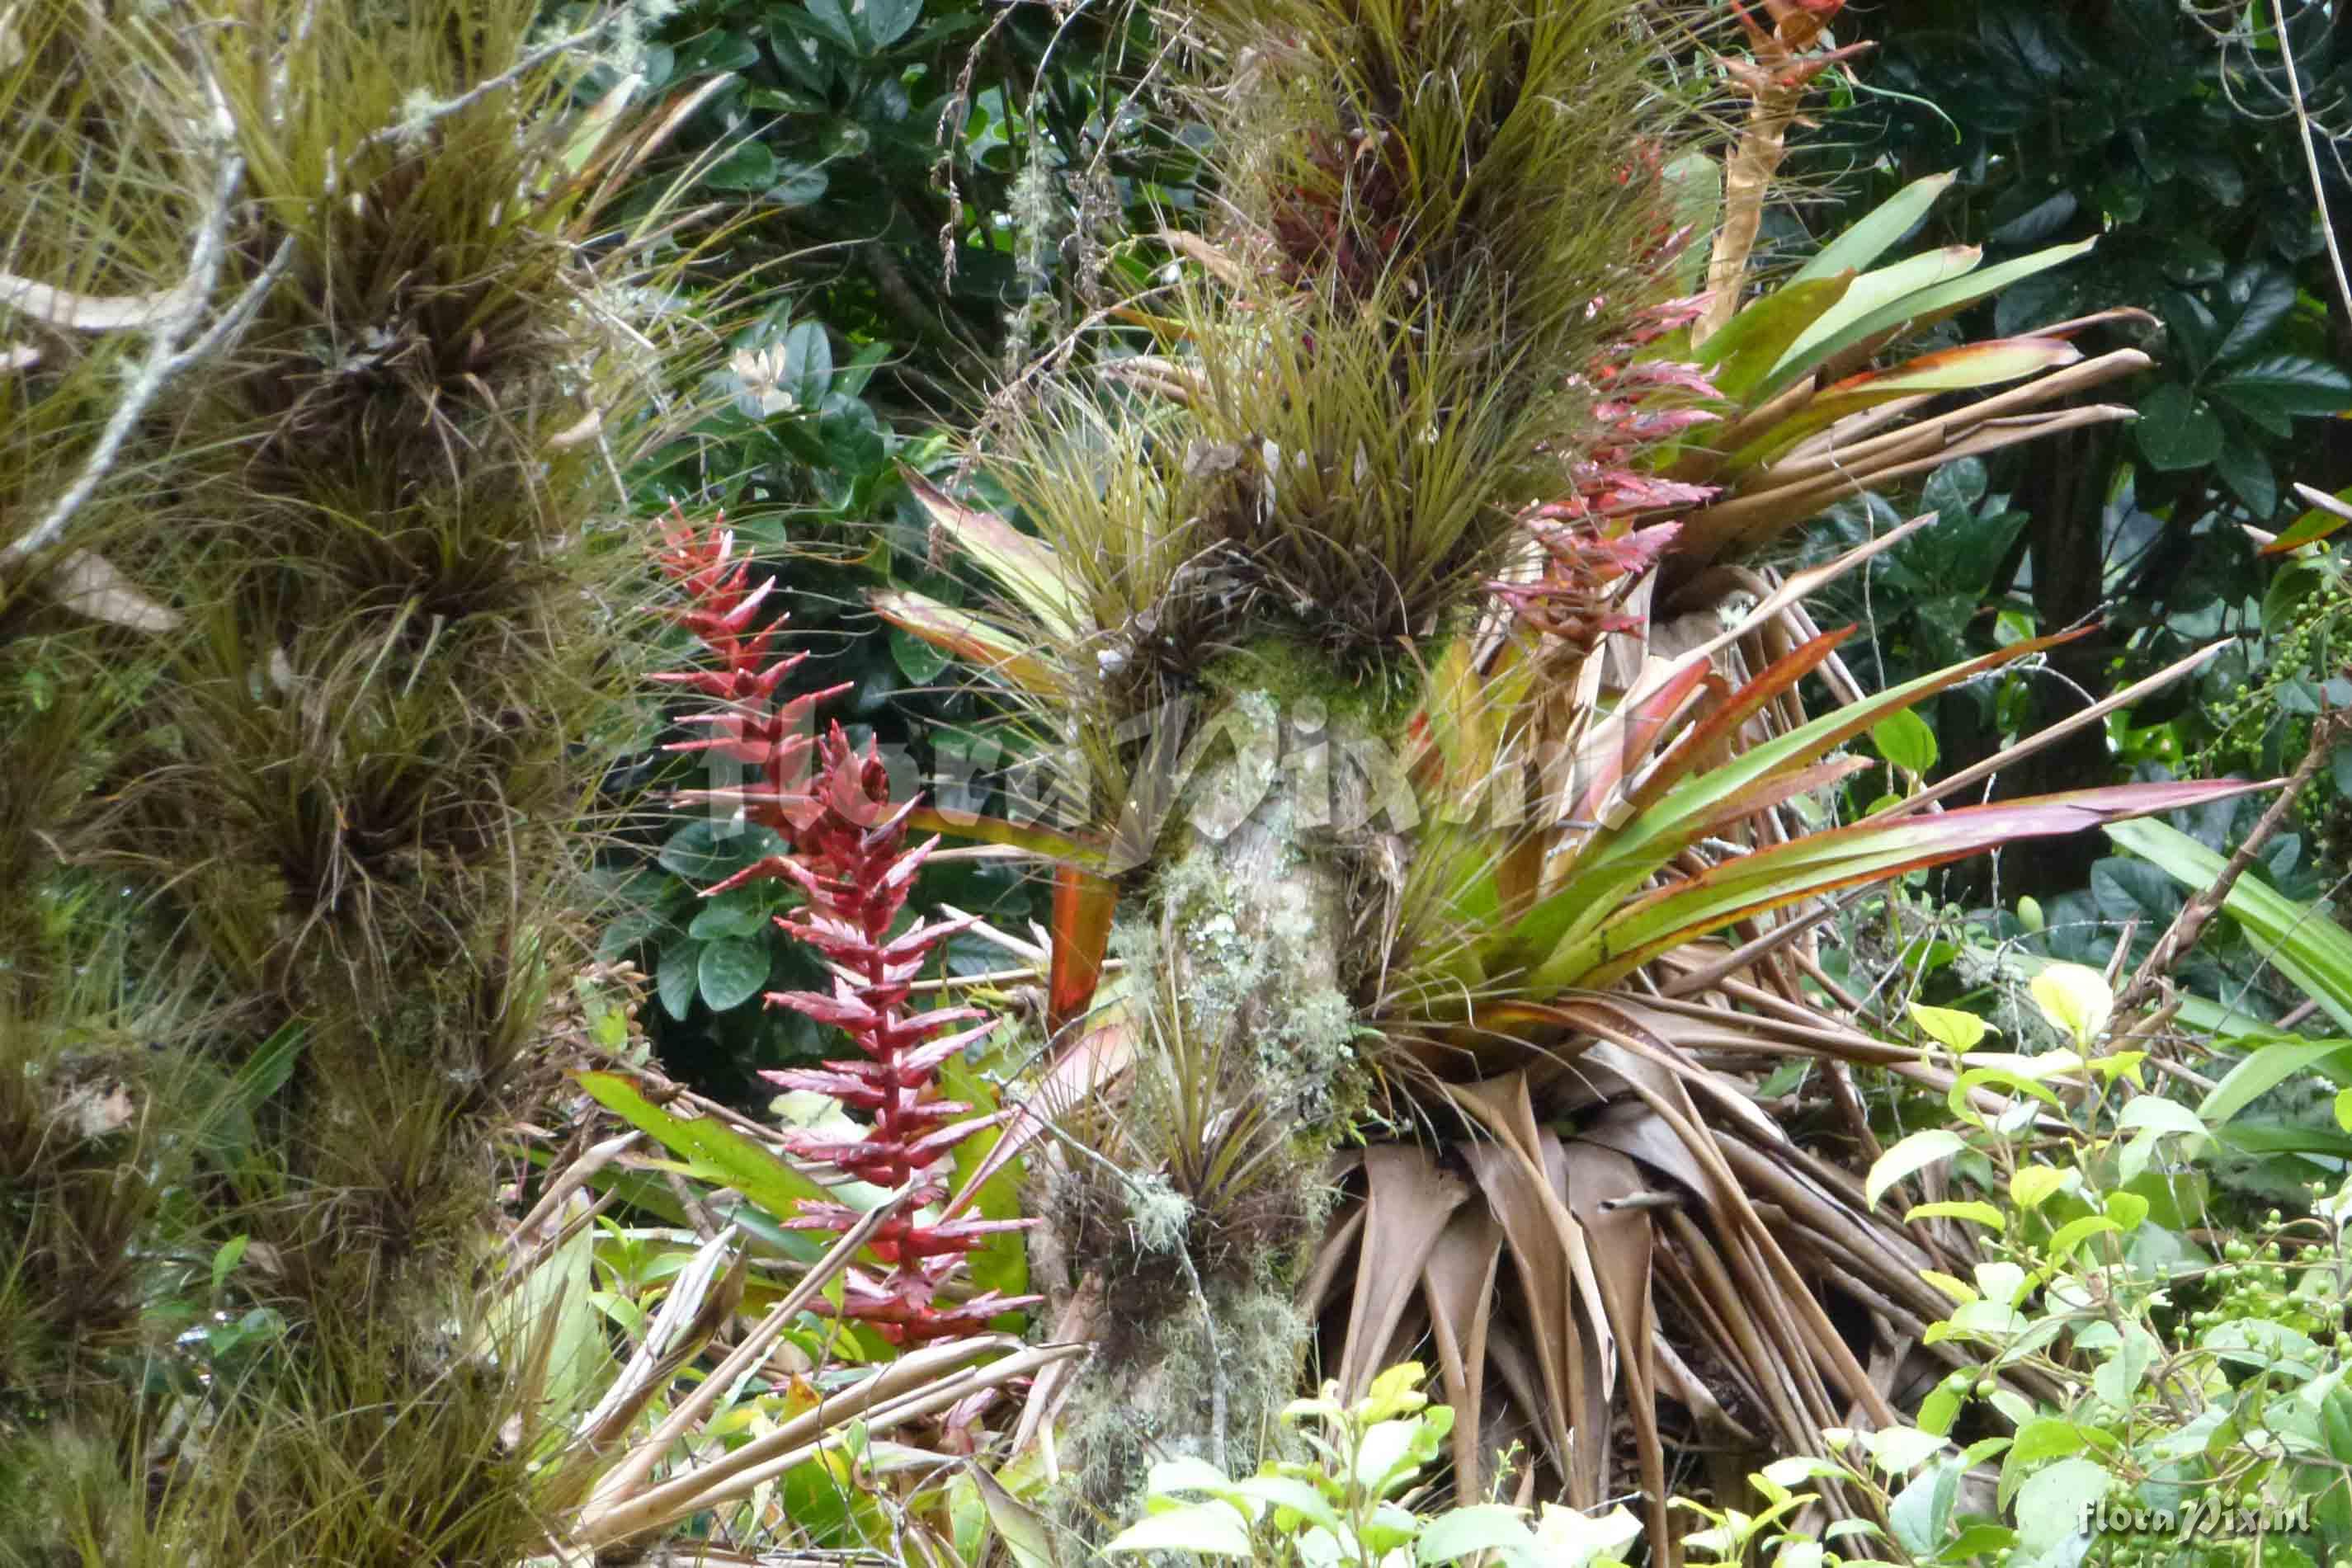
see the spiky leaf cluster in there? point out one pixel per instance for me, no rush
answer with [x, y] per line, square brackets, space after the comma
[307, 630]
[1439, 216]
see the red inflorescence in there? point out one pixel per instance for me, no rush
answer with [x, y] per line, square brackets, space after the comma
[1590, 537]
[746, 726]
[850, 859]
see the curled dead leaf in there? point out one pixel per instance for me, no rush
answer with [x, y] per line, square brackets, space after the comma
[89, 584]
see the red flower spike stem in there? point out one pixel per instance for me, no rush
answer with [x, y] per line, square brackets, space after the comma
[850, 857]
[1594, 547]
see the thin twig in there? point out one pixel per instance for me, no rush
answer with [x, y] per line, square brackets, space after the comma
[164, 360]
[2183, 933]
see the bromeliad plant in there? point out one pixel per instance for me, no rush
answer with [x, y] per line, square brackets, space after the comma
[850, 861]
[1533, 872]
[1813, 412]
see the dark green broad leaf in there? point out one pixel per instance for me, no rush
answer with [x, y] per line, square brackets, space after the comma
[675, 978]
[738, 911]
[2259, 299]
[2190, 259]
[2135, 890]
[782, 101]
[2246, 469]
[751, 166]
[2177, 430]
[2191, 334]
[2289, 383]
[720, 49]
[2039, 222]
[2217, 176]
[703, 851]
[832, 20]
[808, 363]
[730, 971]
[887, 21]
[1953, 489]
[802, 185]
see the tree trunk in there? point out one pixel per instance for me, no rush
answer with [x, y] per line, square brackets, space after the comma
[1243, 1060]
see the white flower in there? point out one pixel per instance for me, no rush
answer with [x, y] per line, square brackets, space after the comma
[761, 373]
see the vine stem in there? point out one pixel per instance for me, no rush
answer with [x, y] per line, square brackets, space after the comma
[2311, 154]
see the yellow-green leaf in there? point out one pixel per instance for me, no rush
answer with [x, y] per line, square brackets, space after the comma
[2074, 998]
[1915, 1153]
[1950, 1026]
[2033, 1184]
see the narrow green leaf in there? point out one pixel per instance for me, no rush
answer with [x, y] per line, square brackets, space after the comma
[1038, 840]
[1873, 295]
[713, 1147]
[967, 637]
[1938, 299]
[1819, 863]
[1868, 237]
[2305, 943]
[1983, 1214]
[1967, 368]
[1613, 864]
[1738, 358]
[1027, 568]
[2271, 1065]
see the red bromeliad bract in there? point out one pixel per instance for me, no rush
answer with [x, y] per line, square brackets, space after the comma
[850, 857]
[1590, 537]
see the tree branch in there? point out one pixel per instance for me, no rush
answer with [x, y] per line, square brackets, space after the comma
[2182, 934]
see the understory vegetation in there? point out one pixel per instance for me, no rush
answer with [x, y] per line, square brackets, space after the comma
[1539, 782]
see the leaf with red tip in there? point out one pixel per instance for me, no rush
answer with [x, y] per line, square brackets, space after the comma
[1027, 568]
[1756, 884]
[1966, 368]
[1624, 743]
[969, 638]
[1043, 842]
[1083, 904]
[1614, 861]
[2327, 514]
[1783, 675]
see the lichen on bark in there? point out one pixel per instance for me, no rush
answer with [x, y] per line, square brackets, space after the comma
[1200, 1219]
